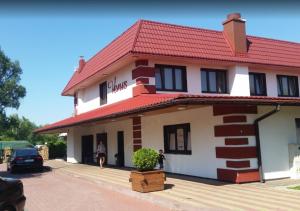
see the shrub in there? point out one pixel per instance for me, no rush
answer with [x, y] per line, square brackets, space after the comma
[145, 159]
[57, 149]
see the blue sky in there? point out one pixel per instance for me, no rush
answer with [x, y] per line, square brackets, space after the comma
[48, 42]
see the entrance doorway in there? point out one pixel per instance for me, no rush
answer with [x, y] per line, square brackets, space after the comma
[87, 149]
[120, 157]
[102, 137]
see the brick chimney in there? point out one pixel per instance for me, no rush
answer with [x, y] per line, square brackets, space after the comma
[81, 64]
[235, 32]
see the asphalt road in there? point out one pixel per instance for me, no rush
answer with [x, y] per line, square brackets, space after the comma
[54, 190]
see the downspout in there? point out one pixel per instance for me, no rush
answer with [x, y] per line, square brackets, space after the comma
[257, 139]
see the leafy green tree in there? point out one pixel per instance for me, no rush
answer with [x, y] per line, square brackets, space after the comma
[10, 89]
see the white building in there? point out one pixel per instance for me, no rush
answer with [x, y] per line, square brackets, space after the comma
[221, 104]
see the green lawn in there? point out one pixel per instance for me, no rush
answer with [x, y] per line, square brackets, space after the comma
[295, 187]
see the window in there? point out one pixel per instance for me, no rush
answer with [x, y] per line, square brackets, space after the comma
[287, 86]
[75, 100]
[170, 78]
[103, 93]
[257, 84]
[298, 130]
[213, 81]
[177, 139]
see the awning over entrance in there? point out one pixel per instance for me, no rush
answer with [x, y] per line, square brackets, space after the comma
[150, 102]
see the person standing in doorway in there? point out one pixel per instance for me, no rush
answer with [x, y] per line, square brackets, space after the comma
[161, 158]
[101, 152]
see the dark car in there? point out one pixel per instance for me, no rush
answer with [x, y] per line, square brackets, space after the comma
[11, 195]
[27, 158]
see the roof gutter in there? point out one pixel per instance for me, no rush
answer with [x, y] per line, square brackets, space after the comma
[257, 139]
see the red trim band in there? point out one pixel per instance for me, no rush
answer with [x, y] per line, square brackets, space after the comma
[234, 130]
[234, 109]
[237, 118]
[143, 71]
[238, 164]
[238, 176]
[142, 81]
[236, 141]
[143, 89]
[236, 152]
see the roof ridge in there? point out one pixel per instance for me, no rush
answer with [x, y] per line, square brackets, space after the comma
[139, 22]
[273, 39]
[181, 26]
[213, 30]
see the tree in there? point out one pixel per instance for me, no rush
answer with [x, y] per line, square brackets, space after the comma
[10, 90]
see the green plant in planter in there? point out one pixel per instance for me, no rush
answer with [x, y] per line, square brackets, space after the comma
[145, 159]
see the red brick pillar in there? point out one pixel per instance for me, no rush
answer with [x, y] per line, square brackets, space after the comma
[142, 74]
[137, 133]
[236, 149]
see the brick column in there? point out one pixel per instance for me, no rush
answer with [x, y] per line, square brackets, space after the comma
[142, 74]
[236, 149]
[136, 133]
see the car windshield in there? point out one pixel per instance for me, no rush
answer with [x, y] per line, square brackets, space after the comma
[26, 152]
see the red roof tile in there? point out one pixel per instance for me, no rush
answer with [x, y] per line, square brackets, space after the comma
[143, 103]
[149, 37]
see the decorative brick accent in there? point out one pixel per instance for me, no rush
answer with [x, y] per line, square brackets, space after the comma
[137, 141]
[234, 109]
[143, 71]
[136, 127]
[142, 81]
[136, 147]
[234, 130]
[236, 141]
[238, 176]
[236, 152]
[140, 62]
[238, 164]
[143, 89]
[137, 133]
[136, 121]
[237, 118]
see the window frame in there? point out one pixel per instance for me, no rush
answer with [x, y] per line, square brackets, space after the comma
[207, 70]
[168, 129]
[160, 68]
[280, 88]
[103, 100]
[255, 88]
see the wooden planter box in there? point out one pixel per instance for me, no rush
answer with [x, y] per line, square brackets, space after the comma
[147, 181]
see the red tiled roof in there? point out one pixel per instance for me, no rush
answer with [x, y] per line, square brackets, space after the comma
[143, 103]
[149, 37]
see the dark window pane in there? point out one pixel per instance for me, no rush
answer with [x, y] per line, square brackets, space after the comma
[178, 79]
[212, 81]
[252, 85]
[172, 141]
[158, 81]
[177, 139]
[203, 81]
[180, 139]
[103, 93]
[189, 147]
[287, 86]
[285, 89]
[292, 86]
[168, 76]
[221, 82]
[257, 84]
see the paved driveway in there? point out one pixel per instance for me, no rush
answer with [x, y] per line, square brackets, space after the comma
[189, 193]
[57, 191]
[82, 187]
